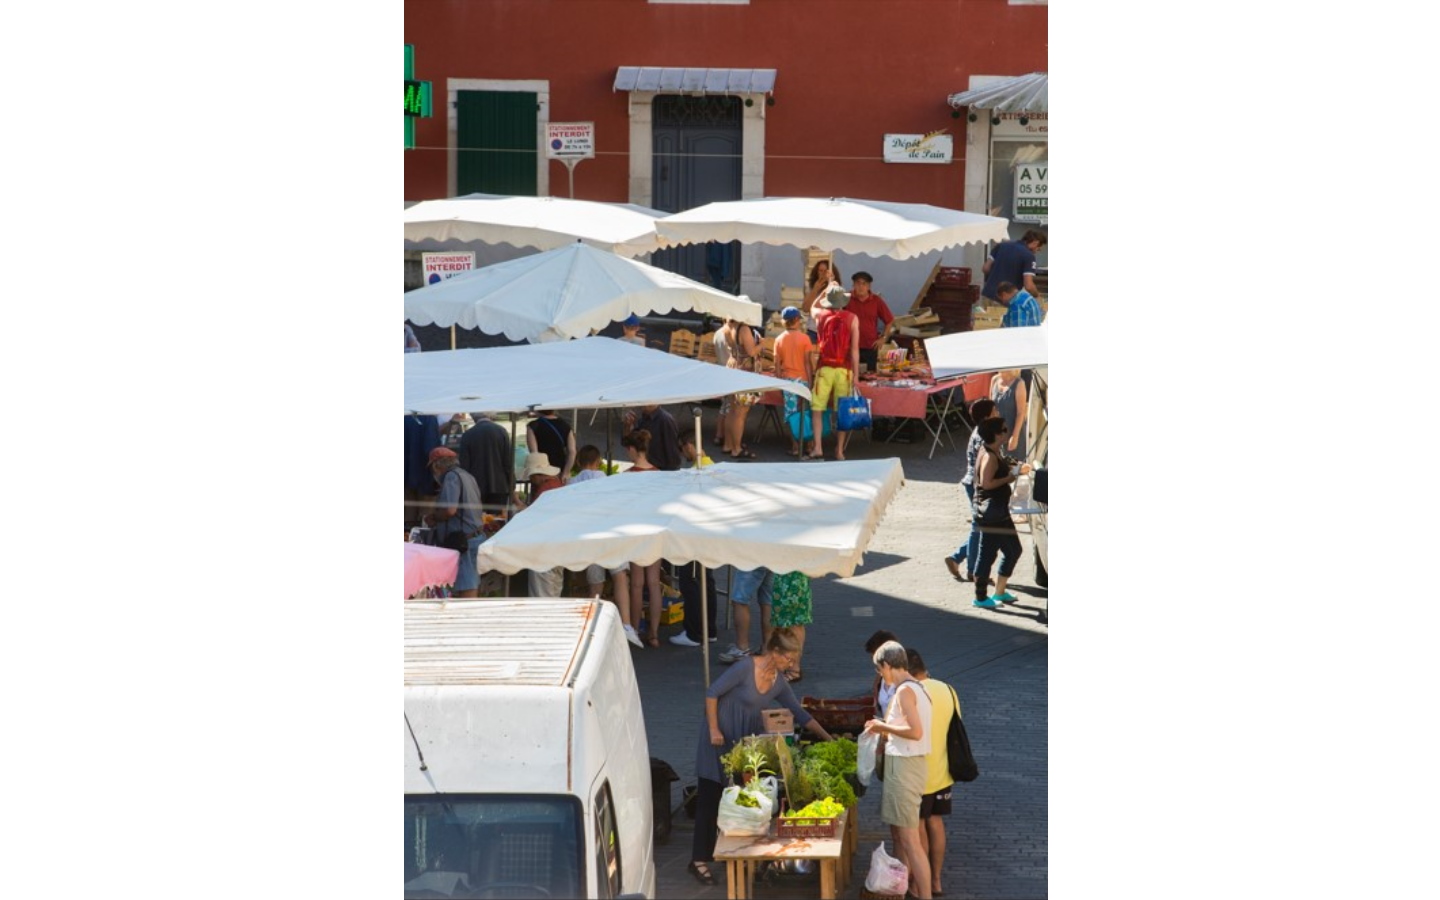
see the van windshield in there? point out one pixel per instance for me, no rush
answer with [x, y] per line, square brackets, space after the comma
[493, 845]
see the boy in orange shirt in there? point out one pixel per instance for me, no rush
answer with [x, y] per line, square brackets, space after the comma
[795, 361]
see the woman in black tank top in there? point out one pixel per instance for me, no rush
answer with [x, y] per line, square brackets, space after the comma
[994, 474]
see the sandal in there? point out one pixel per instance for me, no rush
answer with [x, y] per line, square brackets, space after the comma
[743, 454]
[793, 675]
[820, 456]
[701, 872]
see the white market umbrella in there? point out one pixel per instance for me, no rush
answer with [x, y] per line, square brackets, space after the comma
[815, 518]
[566, 293]
[871, 227]
[990, 350]
[592, 373]
[541, 222]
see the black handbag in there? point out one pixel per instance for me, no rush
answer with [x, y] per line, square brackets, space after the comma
[957, 747]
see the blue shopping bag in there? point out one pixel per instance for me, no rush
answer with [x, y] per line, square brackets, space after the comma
[852, 413]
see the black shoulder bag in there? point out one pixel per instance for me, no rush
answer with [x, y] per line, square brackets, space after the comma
[957, 747]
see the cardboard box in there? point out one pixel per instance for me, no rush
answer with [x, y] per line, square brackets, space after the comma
[777, 721]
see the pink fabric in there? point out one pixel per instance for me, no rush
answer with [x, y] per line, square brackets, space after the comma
[426, 566]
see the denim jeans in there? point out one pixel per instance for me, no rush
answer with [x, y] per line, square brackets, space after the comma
[1005, 544]
[969, 549]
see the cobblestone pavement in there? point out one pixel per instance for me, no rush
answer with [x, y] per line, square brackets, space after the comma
[996, 659]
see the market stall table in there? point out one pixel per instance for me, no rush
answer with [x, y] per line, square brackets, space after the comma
[919, 399]
[427, 566]
[742, 855]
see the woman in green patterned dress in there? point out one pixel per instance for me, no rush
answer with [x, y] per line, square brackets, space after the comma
[790, 608]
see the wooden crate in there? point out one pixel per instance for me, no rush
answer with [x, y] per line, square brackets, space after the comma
[955, 276]
[988, 318]
[682, 342]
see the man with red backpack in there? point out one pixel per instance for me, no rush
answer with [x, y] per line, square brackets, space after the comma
[839, 368]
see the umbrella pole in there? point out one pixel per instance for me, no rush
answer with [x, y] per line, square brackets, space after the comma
[609, 459]
[704, 620]
[452, 337]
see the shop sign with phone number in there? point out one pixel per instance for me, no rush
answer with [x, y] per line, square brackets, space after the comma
[1031, 199]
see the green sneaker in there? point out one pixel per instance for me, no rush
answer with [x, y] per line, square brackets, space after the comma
[987, 603]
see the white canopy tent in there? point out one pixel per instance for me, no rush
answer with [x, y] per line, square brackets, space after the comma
[566, 293]
[541, 222]
[814, 518]
[590, 373]
[871, 227]
[990, 350]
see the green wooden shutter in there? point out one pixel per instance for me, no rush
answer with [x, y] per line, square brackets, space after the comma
[495, 138]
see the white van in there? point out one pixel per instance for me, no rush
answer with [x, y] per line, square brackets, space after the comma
[527, 771]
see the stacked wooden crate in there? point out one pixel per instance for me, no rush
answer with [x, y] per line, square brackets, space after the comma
[949, 295]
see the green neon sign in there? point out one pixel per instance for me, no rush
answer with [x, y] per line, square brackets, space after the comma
[418, 98]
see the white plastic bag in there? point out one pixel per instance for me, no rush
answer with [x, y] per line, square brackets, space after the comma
[771, 788]
[748, 820]
[887, 874]
[865, 758]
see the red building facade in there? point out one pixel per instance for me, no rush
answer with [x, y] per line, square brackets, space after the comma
[798, 98]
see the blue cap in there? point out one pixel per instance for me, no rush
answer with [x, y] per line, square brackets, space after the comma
[789, 313]
[632, 321]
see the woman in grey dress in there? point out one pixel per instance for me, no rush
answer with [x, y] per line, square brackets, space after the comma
[732, 711]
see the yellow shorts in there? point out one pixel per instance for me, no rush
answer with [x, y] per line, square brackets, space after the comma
[829, 382]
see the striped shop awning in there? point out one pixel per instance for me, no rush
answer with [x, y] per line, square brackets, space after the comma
[695, 81]
[1023, 93]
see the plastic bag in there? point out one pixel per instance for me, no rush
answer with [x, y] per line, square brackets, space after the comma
[771, 788]
[887, 874]
[865, 757]
[748, 820]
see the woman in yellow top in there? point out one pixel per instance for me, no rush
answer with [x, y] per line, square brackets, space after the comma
[908, 729]
[935, 802]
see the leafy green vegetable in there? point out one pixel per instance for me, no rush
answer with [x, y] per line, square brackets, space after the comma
[840, 754]
[819, 809]
[745, 798]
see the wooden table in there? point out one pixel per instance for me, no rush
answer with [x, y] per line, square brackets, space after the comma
[743, 855]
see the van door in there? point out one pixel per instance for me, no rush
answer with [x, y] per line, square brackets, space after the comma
[609, 872]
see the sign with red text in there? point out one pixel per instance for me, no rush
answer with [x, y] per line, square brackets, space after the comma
[570, 140]
[438, 267]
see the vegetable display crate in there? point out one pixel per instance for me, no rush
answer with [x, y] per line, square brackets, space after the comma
[840, 715]
[806, 826]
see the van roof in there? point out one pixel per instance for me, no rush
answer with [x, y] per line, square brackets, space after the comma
[474, 642]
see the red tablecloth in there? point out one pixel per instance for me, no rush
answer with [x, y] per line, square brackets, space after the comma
[907, 402]
[427, 566]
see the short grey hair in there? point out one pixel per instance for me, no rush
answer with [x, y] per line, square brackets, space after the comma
[893, 655]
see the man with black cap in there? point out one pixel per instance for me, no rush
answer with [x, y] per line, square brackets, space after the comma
[871, 310]
[457, 516]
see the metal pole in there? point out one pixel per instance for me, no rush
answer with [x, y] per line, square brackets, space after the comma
[705, 619]
[452, 337]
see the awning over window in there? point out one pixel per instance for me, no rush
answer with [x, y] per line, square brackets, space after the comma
[1024, 93]
[695, 81]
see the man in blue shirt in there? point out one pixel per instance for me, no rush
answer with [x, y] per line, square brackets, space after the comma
[1012, 261]
[1021, 308]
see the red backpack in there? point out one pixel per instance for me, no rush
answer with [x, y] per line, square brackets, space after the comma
[835, 339]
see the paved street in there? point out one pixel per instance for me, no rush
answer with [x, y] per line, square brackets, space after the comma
[997, 660]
